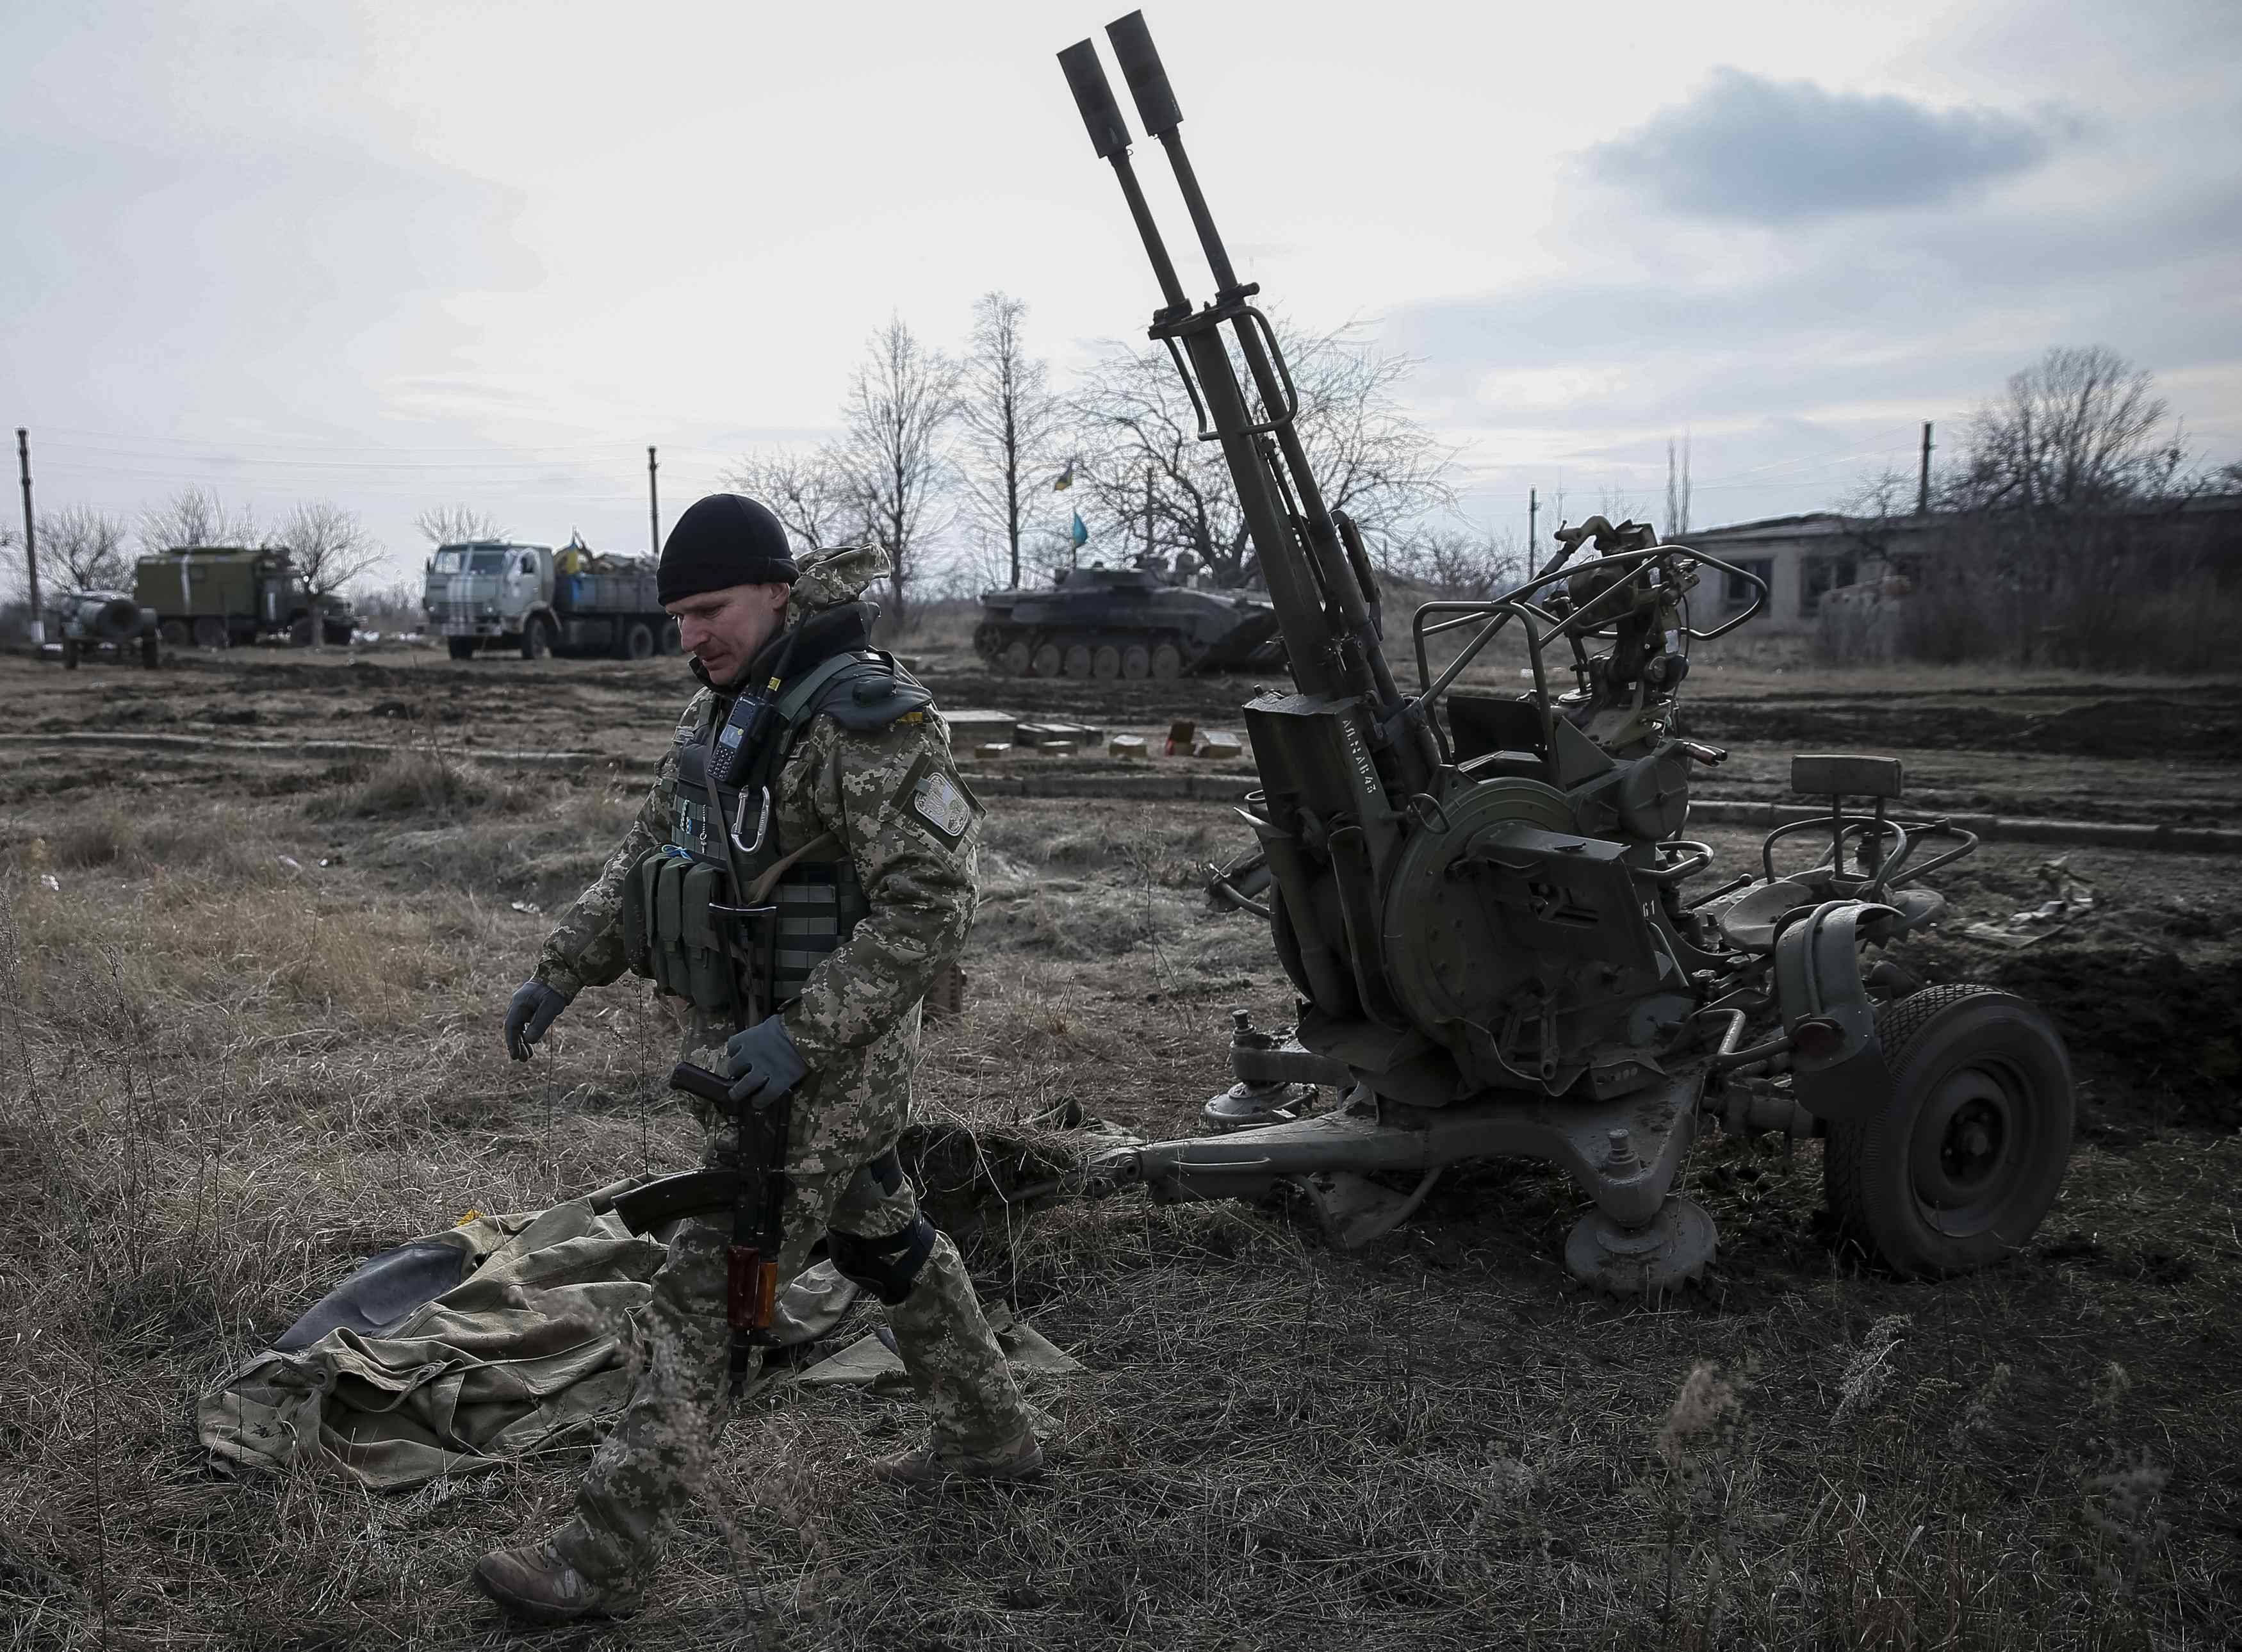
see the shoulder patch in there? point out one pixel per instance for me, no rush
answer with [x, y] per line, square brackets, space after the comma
[936, 799]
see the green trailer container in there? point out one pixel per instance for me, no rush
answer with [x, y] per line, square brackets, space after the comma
[218, 595]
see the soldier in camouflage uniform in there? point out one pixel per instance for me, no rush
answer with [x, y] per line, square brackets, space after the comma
[868, 782]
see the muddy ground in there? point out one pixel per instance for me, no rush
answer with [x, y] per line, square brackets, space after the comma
[2046, 746]
[248, 1036]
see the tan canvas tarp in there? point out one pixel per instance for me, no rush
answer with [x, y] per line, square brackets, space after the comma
[528, 1349]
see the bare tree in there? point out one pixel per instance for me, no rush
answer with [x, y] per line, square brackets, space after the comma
[1616, 503]
[2080, 430]
[81, 549]
[1012, 423]
[457, 524]
[329, 546]
[812, 493]
[1456, 563]
[194, 516]
[1144, 459]
[900, 407]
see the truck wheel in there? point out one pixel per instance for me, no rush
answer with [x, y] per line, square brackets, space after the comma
[1046, 661]
[210, 633]
[1136, 663]
[174, 633]
[1956, 1169]
[1077, 660]
[638, 641]
[1015, 657]
[1167, 662]
[536, 640]
[673, 639]
[1106, 662]
[461, 648]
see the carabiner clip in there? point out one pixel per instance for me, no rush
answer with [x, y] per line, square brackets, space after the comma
[762, 823]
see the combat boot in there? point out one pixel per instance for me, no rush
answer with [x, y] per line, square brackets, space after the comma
[533, 1583]
[934, 1462]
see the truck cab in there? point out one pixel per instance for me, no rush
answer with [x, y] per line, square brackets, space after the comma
[491, 591]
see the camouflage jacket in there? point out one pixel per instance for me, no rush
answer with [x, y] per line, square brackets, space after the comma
[856, 1021]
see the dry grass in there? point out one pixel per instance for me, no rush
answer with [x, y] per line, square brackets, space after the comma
[223, 1079]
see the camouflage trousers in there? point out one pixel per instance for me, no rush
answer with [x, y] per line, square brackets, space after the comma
[646, 1471]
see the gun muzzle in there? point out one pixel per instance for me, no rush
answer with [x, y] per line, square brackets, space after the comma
[1093, 95]
[1148, 80]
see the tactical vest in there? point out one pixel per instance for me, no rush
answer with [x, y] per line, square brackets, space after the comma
[725, 915]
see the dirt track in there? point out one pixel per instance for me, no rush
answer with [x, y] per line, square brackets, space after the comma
[2147, 987]
[2085, 750]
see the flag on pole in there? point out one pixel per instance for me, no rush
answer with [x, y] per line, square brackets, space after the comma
[1078, 533]
[1066, 479]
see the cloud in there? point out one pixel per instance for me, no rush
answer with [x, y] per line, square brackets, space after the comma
[1773, 152]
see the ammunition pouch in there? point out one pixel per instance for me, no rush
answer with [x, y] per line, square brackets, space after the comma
[676, 929]
[673, 938]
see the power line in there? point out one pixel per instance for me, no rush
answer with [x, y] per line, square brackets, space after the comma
[237, 461]
[339, 447]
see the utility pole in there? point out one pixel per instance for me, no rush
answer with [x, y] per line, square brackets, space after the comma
[31, 535]
[1533, 516]
[653, 505]
[1923, 481]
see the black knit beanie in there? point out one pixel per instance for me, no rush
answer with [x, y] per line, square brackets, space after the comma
[723, 540]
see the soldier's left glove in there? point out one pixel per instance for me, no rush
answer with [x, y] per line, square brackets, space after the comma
[762, 1062]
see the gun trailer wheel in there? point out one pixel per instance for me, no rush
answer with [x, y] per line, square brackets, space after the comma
[1958, 1168]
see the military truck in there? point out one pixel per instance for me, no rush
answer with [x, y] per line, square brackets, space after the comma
[88, 621]
[1132, 623]
[217, 596]
[532, 599]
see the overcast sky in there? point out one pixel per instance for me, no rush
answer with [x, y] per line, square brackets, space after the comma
[413, 254]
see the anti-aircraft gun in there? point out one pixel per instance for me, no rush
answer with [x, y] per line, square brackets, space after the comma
[1481, 897]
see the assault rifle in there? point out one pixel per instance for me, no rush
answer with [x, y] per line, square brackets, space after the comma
[758, 1198]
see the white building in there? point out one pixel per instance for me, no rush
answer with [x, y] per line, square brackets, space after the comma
[1805, 558]
[1801, 559]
